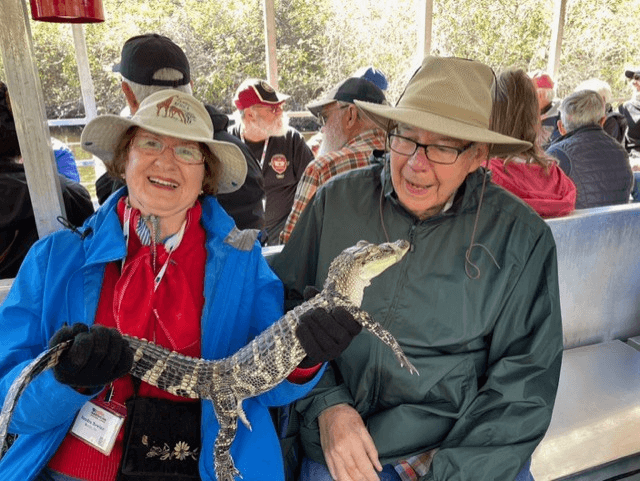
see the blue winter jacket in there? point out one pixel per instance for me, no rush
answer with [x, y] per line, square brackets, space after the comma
[60, 281]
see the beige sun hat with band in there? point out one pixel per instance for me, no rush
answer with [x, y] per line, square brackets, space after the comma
[448, 96]
[173, 113]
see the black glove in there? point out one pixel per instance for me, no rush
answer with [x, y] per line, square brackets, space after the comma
[97, 356]
[310, 292]
[325, 334]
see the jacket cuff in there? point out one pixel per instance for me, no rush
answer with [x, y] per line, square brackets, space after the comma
[338, 395]
[302, 375]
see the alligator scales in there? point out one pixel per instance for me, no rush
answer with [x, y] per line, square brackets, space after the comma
[254, 369]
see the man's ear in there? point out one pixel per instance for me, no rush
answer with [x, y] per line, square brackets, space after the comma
[602, 121]
[130, 97]
[352, 115]
[561, 128]
[480, 156]
[352, 121]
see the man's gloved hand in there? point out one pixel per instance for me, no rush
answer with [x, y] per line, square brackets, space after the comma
[325, 334]
[97, 356]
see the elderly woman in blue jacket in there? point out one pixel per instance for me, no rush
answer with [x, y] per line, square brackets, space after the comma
[159, 260]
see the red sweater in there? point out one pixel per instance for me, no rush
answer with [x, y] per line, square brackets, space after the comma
[170, 317]
[550, 195]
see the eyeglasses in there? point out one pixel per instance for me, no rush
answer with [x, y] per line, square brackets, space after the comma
[636, 76]
[274, 108]
[438, 154]
[184, 153]
[324, 116]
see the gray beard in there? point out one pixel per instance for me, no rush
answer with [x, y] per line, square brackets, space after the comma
[330, 143]
[263, 131]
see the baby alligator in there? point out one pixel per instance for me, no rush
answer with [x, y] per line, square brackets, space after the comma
[259, 366]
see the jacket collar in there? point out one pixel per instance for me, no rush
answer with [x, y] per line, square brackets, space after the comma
[579, 130]
[105, 242]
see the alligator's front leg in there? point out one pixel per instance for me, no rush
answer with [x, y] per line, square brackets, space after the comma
[385, 336]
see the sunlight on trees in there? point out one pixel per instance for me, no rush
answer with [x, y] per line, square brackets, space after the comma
[322, 42]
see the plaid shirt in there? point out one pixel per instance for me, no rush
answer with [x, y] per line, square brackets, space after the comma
[353, 155]
[412, 468]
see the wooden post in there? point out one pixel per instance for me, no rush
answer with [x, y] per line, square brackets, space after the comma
[86, 82]
[270, 43]
[559, 12]
[425, 25]
[27, 102]
[86, 85]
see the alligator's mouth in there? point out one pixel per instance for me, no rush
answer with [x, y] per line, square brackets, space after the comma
[384, 256]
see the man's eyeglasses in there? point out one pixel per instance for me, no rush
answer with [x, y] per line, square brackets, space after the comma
[274, 108]
[438, 154]
[636, 76]
[324, 116]
[184, 153]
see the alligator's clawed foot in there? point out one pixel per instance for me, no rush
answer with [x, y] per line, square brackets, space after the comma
[404, 362]
[225, 469]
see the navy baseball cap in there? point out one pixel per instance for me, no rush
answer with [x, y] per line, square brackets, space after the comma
[374, 75]
[353, 88]
[143, 55]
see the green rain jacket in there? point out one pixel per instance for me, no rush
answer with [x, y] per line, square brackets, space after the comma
[488, 349]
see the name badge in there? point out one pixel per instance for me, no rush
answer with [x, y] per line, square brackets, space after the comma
[97, 426]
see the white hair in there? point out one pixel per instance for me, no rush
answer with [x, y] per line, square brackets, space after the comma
[143, 91]
[596, 85]
[581, 108]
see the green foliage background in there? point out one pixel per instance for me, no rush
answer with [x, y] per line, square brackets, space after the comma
[321, 42]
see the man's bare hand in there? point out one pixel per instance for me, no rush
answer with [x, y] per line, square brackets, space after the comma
[348, 448]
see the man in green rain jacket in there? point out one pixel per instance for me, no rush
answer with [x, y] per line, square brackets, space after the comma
[474, 304]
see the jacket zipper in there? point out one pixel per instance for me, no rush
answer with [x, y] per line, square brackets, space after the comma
[412, 235]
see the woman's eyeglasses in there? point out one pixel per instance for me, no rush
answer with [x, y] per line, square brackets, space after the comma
[184, 153]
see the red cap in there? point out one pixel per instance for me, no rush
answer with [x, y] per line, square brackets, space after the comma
[543, 82]
[254, 91]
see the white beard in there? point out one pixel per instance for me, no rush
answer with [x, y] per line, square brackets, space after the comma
[332, 139]
[260, 129]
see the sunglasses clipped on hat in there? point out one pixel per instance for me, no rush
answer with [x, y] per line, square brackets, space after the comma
[632, 74]
[175, 114]
[448, 96]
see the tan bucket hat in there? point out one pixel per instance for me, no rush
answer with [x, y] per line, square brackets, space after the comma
[173, 113]
[448, 96]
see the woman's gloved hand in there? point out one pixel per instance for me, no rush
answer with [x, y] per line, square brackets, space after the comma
[325, 334]
[98, 356]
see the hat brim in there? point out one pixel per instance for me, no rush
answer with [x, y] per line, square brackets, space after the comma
[630, 73]
[102, 135]
[387, 117]
[316, 107]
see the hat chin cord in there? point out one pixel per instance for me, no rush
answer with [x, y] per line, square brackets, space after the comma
[471, 270]
[468, 264]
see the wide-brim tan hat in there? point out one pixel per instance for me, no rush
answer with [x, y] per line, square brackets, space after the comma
[175, 114]
[448, 96]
